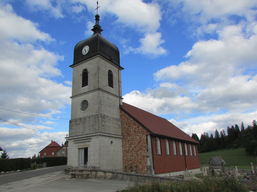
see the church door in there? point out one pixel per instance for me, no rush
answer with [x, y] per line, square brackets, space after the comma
[83, 157]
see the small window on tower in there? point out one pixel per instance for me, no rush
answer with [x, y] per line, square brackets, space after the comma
[84, 78]
[110, 79]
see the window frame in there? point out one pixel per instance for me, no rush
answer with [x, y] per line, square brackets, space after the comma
[186, 152]
[174, 148]
[84, 78]
[158, 146]
[167, 146]
[110, 78]
[194, 150]
[190, 149]
[180, 149]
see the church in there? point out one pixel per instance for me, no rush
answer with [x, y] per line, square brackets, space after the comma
[113, 135]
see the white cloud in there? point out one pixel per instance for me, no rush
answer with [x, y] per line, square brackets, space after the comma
[68, 82]
[47, 5]
[160, 101]
[145, 16]
[214, 62]
[77, 8]
[88, 31]
[208, 9]
[18, 28]
[151, 45]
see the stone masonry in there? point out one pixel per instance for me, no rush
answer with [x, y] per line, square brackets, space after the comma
[134, 146]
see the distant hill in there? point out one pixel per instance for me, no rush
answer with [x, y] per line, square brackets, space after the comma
[233, 157]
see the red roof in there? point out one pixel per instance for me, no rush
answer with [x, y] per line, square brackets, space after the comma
[156, 125]
[52, 144]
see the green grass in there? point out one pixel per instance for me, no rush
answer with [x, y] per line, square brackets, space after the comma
[233, 157]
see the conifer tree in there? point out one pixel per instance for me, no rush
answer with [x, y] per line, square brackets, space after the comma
[242, 127]
[4, 155]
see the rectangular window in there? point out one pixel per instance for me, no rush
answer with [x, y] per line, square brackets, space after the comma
[190, 148]
[158, 146]
[180, 148]
[194, 151]
[167, 147]
[174, 148]
[52, 153]
[44, 153]
[186, 149]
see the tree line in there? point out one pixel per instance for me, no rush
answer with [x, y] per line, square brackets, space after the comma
[234, 137]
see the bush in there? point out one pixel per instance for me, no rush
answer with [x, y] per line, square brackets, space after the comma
[33, 166]
[206, 184]
[14, 164]
[50, 161]
[26, 163]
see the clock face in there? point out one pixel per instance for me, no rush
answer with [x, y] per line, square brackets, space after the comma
[85, 50]
[84, 105]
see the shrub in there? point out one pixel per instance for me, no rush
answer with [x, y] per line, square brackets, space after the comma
[51, 161]
[33, 166]
[25, 163]
[208, 184]
[14, 164]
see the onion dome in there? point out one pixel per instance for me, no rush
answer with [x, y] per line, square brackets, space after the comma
[96, 44]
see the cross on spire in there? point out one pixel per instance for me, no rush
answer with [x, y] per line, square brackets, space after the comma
[97, 7]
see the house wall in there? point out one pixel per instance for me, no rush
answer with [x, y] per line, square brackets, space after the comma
[164, 163]
[47, 152]
[134, 144]
[62, 152]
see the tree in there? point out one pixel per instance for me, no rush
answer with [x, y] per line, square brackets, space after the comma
[251, 147]
[223, 139]
[4, 155]
[195, 137]
[217, 139]
[237, 131]
[242, 127]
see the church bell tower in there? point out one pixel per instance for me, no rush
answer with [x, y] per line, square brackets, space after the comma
[95, 128]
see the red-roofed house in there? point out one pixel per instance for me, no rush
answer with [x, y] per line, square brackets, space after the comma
[153, 145]
[50, 150]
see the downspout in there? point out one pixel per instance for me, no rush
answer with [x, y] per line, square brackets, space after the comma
[152, 155]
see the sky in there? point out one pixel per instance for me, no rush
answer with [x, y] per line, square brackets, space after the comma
[193, 62]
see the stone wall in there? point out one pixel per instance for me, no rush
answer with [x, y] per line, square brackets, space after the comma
[134, 146]
[104, 174]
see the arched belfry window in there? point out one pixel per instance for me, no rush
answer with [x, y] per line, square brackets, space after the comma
[84, 78]
[110, 79]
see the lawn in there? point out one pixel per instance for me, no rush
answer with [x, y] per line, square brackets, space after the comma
[233, 157]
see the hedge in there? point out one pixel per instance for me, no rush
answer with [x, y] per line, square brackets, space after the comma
[25, 163]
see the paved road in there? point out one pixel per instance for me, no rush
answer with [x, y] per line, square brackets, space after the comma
[8, 178]
[47, 181]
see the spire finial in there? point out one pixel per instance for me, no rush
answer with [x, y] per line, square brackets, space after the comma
[97, 7]
[97, 28]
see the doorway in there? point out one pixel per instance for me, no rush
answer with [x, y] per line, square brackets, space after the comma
[83, 157]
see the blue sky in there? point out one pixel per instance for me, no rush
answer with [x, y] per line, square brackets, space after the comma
[190, 61]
